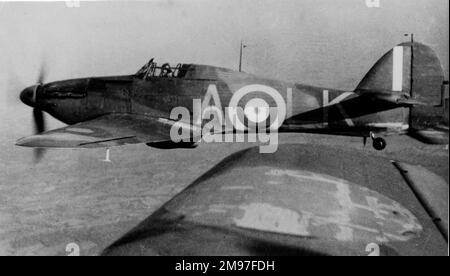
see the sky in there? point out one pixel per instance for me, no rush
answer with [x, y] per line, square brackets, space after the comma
[320, 42]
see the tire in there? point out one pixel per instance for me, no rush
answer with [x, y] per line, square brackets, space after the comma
[379, 143]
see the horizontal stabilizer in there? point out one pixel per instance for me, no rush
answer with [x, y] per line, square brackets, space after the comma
[431, 136]
[401, 99]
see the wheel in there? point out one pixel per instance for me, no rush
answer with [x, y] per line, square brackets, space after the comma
[379, 143]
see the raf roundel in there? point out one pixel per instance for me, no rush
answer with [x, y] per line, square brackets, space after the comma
[257, 110]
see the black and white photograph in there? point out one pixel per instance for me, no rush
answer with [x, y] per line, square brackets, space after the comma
[251, 128]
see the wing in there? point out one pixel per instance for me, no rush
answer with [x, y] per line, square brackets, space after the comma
[105, 131]
[301, 200]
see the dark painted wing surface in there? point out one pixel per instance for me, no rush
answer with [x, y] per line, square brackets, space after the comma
[302, 200]
[105, 131]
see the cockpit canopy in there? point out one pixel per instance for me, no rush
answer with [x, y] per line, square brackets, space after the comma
[186, 71]
[151, 69]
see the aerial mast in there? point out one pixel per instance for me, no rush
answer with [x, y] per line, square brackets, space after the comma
[240, 55]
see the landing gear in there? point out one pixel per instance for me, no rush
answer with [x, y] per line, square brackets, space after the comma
[378, 143]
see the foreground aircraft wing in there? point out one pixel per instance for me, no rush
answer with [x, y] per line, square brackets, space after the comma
[105, 131]
[301, 200]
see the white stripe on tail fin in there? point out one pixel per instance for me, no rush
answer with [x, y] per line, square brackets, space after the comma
[397, 69]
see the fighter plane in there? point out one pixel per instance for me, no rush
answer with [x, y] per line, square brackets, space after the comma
[403, 93]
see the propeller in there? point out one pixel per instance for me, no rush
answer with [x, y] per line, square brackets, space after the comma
[38, 114]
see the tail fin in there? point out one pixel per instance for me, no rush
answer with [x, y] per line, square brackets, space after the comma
[411, 69]
[391, 73]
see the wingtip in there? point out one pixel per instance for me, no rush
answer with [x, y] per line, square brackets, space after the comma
[21, 142]
[26, 141]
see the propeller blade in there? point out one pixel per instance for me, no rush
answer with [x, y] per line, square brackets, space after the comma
[38, 114]
[39, 121]
[39, 127]
[38, 153]
[42, 74]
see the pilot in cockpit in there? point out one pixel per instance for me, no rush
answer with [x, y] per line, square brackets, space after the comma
[165, 70]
